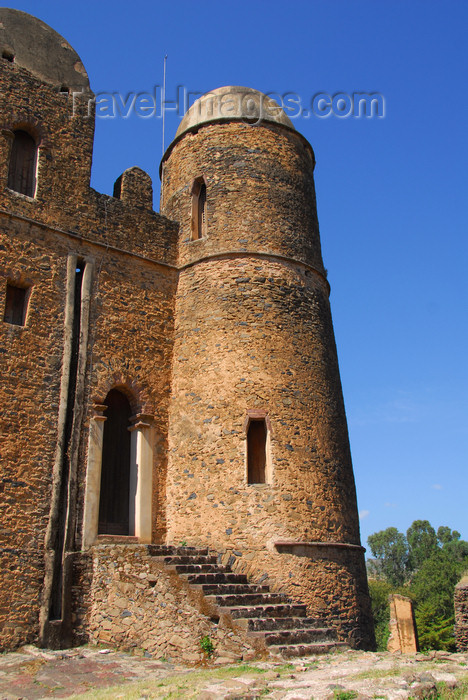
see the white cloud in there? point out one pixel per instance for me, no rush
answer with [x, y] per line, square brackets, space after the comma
[436, 487]
[363, 514]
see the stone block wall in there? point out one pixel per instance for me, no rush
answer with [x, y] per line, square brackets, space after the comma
[262, 340]
[133, 251]
[29, 398]
[22, 574]
[461, 614]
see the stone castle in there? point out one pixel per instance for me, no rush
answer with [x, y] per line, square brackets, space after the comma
[174, 441]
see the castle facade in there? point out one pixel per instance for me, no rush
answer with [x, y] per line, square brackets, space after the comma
[167, 378]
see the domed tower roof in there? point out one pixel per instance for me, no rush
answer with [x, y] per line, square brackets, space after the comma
[233, 103]
[32, 44]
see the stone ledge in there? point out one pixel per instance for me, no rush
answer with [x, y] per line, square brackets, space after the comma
[292, 544]
[117, 539]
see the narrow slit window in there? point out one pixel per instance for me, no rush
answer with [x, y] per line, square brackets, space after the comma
[15, 305]
[199, 209]
[256, 451]
[22, 171]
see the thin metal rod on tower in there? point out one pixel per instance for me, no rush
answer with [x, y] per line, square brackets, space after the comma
[163, 102]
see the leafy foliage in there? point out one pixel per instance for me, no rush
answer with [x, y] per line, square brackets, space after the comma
[430, 564]
[433, 586]
[207, 645]
[445, 535]
[422, 543]
[436, 580]
[379, 592]
[434, 630]
[391, 550]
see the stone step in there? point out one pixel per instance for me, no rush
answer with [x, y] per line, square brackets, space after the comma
[216, 578]
[281, 623]
[273, 617]
[192, 560]
[249, 599]
[199, 568]
[298, 636]
[264, 611]
[117, 539]
[167, 550]
[292, 650]
[232, 588]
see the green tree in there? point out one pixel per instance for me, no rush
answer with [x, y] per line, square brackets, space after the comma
[433, 587]
[435, 581]
[390, 548]
[445, 535]
[434, 630]
[458, 549]
[379, 592]
[422, 543]
[450, 542]
[436, 562]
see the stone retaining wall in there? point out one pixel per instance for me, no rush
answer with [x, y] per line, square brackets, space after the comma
[135, 602]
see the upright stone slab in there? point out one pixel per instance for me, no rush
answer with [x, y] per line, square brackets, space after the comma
[461, 614]
[403, 637]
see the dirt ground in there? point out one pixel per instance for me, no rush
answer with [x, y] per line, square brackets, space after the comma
[90, 672]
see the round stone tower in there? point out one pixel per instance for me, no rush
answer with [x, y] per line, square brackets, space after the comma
[259, 459]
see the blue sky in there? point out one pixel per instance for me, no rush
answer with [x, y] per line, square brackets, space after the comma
[391, 198]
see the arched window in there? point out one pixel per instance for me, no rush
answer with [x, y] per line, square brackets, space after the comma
[114, 503]
[198, 208]
[22, 172]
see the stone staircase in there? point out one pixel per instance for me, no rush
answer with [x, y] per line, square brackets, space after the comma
[272, 618]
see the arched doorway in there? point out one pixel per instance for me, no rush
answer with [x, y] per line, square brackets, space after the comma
[114, 506]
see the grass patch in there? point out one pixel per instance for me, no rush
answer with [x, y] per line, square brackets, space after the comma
[180, 685]
[378, 673]
[445, 693]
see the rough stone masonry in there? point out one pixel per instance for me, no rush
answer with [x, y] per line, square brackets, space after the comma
[461, 614]
[166, 378]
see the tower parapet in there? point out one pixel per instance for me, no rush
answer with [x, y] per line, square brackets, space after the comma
[258, 172]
